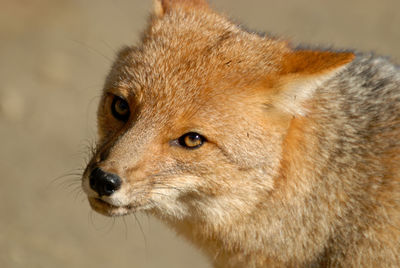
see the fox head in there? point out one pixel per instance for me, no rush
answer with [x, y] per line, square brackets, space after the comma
[193, 122]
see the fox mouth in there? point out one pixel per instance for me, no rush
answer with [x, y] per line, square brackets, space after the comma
[108, 209]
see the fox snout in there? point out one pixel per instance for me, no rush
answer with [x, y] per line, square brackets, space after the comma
[104, 183]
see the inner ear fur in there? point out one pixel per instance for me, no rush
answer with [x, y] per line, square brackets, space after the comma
[301, 73]
[162, 7]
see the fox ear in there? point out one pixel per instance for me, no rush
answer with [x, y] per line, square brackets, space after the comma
[161, 7]
[302, 72]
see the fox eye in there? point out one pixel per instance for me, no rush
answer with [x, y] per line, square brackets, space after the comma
[191, 140]
[120, 109]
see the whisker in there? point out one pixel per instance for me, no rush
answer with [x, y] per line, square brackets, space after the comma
[141, 230]
[72, 173]
[110, 47]
[89, 149]
[107, 227]
[78, 192]
[83, 199]
[151, 192]
[167, 187]
[126, 228]
[92, 49]
[90, 218]
[111, 226]
[70, 181]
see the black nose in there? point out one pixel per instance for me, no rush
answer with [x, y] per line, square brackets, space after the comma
[104, 183]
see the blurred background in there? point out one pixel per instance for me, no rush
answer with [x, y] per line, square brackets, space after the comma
[54, 55]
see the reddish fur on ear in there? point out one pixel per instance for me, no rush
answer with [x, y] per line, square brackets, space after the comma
[301, 73]
[310, 62]
[162, 7]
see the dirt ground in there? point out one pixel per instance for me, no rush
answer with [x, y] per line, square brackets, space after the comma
[54, 57]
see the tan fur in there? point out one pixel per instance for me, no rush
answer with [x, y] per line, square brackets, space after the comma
[300, 167]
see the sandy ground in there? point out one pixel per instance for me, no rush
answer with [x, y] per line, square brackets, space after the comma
[54, 55]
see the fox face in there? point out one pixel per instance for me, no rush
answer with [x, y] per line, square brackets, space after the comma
[178, 147]
[193, 122]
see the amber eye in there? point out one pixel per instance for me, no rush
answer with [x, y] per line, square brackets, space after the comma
[191, 140]
[120, 109]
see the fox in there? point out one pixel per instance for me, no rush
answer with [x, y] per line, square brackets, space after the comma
[259, 152]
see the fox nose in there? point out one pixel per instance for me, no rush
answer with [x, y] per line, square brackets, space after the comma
[104, 183]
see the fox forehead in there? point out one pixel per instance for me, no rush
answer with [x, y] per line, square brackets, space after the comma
[190, 54]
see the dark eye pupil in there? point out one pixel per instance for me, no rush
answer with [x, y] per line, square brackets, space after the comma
[191, 140]
[122, 106]
[120, 109]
